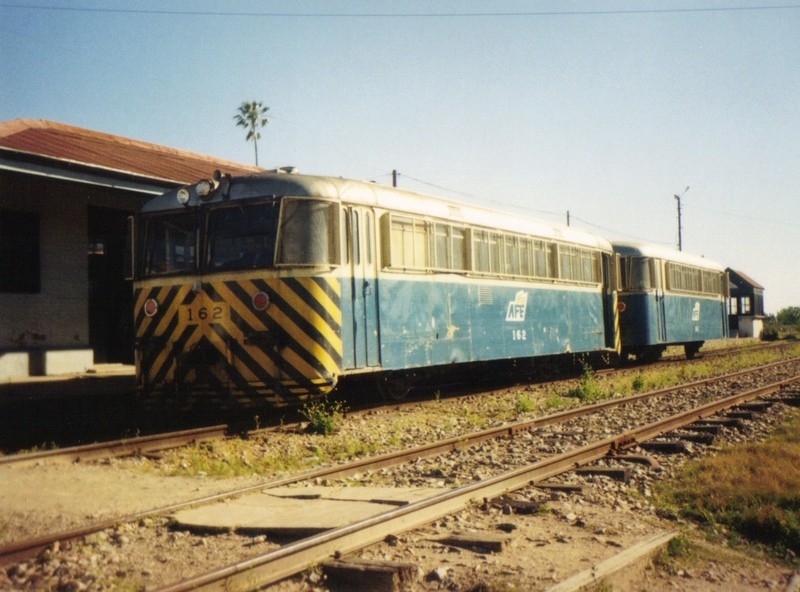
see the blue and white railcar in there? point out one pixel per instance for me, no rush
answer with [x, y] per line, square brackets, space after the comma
[668, 297]
[275, 286]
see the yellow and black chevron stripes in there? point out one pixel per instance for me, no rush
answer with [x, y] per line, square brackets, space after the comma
[155, 333]
[617, 334]
[218, 336]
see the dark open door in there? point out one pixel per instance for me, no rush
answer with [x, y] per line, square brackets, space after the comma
[110, 307]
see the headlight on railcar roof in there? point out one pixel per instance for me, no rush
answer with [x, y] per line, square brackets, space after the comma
[204, 188]
[183, 196]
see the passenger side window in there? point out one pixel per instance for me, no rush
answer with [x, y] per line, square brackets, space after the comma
[308, 232]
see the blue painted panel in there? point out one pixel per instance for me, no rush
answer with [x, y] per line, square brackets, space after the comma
[686, 318]
[348, 327]
[372, 335]
[639, 319]
[694, 318]
[451, 319]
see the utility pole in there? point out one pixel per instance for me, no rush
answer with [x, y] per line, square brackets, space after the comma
[567, 217]
[680, 229]
[394, 178]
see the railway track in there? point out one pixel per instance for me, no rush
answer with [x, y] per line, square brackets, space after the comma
[140, 445]
[290, 559]
[151, 444]
[714, 352]
[539, 470]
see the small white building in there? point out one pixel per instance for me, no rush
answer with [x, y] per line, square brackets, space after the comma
[65, 196]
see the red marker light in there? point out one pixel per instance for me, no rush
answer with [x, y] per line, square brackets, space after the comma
[260, 301]
[621, 306]
[150, 307]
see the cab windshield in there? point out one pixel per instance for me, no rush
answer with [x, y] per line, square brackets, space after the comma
[637, 273]
[239, 235]
[169, 245]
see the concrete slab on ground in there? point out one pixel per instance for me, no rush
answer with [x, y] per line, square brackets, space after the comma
[298, 511]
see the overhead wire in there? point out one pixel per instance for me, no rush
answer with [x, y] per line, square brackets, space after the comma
[478, 197]
[518, 206]
[749, 218]
[605, 229]
[404, 15]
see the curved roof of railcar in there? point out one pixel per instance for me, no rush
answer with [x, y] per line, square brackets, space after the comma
[390, 198]
[635, 249]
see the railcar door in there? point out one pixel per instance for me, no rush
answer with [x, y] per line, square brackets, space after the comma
[661, 285]
[611, 288]
[363, 274]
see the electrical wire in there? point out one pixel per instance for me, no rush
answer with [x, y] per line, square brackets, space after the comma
[401, 15]
[518, 206]
[478, 197]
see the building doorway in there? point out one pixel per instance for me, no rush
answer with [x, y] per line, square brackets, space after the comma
[110, 295]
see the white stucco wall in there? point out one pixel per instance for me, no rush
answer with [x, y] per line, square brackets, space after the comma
[58, 313]
[750, 326]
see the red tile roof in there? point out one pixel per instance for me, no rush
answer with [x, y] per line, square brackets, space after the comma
[105, 151]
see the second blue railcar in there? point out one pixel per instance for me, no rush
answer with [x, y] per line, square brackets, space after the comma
[668, 297]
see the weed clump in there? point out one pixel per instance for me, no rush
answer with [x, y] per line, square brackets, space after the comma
[523, 404]
[553, 402]
[679, 549]
[323, 416]
[638, 383]
[588, 389]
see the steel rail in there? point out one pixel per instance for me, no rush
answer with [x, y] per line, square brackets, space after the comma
[412, 400]
[281, 563]
[726, 350]
[22, 550]
[461, 442]
[119, 448]
[155, 442]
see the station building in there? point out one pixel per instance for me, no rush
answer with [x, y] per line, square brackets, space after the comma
[65, 197]
[746, 306]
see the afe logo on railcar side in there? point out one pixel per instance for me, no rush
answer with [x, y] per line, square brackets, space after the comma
[515, 312]
[696, 312]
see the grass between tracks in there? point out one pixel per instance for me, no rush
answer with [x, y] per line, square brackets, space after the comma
[591, 388]
[335, 436]
[749, 492]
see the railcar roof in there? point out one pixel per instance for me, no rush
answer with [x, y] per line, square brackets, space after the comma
[634, 249]
[390, 198]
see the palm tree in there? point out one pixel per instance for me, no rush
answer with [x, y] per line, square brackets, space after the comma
[251, 117]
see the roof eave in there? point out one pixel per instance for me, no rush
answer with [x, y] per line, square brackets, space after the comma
[69, 170]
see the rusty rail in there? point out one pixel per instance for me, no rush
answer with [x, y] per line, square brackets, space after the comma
[119, 448]
[281, 563]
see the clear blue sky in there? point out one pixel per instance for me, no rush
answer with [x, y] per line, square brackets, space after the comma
[605, 109]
